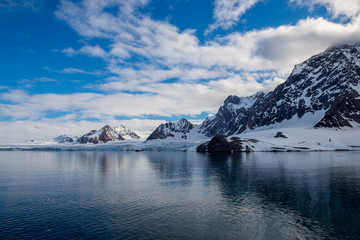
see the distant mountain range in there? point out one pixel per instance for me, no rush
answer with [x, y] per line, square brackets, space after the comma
[104, 135]
[321, 92]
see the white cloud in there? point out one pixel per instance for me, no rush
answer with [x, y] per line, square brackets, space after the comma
[81, 71]
[169, 99]
[165, 46]
[93, 51]
[30, 83]
[348, 8]
[37, 80]
[70, 52]
[44, 79]
[15, 96]
[11, 5]
[228, 12]
[177, 74]
[131, 79]
[89, 18]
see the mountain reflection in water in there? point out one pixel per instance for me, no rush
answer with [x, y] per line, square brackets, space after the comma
[177, 195]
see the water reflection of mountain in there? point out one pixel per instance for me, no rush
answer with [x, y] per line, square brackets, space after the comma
[321, 196]
[176, 195]
[175, 167]
[318, 194]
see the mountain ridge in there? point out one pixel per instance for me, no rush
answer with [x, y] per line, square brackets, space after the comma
[107, 134]
[231, 115]
[325, 82]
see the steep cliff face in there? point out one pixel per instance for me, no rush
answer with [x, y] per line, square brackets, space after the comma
[230, 116]
[177, 129]
[345, 112]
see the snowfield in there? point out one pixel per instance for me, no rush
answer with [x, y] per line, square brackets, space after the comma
[305, 139]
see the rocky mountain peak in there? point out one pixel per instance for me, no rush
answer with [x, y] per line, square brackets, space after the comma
[125, 132]
[183, 125]
[232, 99]
[231, 115]
[178, 129]
[107, 134]
[106, 128]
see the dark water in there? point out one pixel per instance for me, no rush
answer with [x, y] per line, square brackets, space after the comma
[167, 195]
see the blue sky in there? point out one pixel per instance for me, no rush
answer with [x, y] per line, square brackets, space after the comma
[84, 63]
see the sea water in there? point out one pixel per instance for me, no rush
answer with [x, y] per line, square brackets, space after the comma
[179, 195]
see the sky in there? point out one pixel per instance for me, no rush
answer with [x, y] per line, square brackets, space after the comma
[70, 66]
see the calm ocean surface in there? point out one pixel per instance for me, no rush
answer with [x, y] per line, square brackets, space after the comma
[177, 195]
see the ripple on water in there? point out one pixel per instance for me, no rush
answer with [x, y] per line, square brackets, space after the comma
[118, 195]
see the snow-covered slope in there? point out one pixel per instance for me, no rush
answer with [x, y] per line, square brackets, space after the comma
[285, 140]
[231, 116]
[107, 134]
[306, 139]
[324, 88]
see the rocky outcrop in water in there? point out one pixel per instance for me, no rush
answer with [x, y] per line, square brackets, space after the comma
[222, 143]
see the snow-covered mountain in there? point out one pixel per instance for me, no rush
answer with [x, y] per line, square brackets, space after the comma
[125, 132]
[107, 134]
[231, 116]
[65, 139]
[179, 130]
[323, 91]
